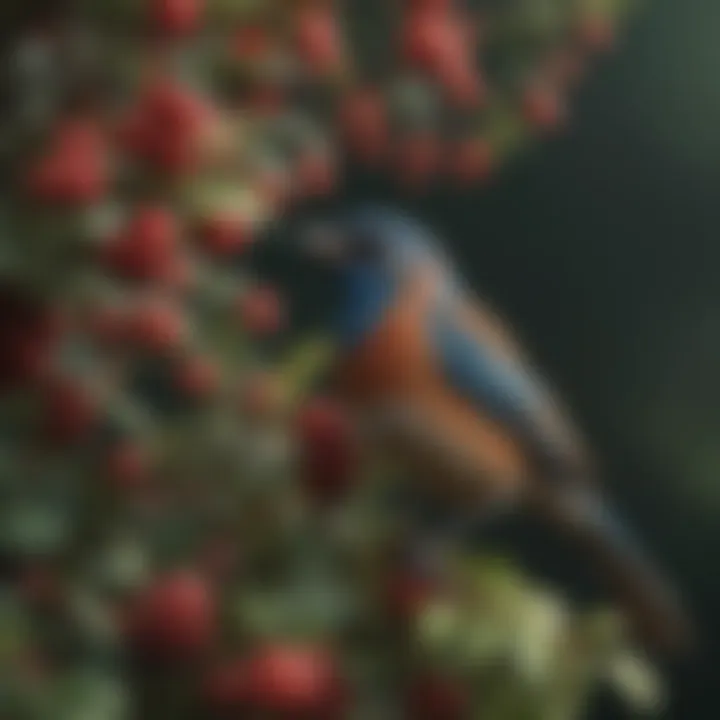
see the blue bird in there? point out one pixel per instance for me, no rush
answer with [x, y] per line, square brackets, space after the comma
[437, 379]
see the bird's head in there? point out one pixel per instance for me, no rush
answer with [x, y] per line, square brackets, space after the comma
[369, 253]
[369, 239]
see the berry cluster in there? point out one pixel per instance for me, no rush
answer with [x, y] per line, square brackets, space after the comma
[183, 533]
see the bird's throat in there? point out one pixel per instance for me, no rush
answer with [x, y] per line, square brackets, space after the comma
[367, 294]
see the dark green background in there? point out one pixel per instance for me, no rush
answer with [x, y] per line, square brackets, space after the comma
[603, 247]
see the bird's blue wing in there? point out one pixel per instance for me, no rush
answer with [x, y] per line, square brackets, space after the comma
[493, 383]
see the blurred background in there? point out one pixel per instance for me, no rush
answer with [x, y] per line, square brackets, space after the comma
[601, 246]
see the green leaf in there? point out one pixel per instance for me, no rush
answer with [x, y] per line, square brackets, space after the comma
[90, 695]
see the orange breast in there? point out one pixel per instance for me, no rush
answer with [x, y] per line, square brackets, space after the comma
[392, 361]
[397, 364]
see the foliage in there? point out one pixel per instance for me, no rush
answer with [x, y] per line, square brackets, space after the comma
[164, 551]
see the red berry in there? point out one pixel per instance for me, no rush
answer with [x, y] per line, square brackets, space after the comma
[176, 154]
[364, 123]
[261, 311]
[432, 697]
[197, 378]
[462, 82]
[157, 326]
[329, 456]
[174, 618]
[145, 249]
[470, 161]
[297, 681]
[318, 43]
[135, 132]
[421, 40]
[69, 412]
[225, 235]
[177, 17]
[431, 39]
[437, 41]
[67, 181]
[75, 169]
[169, 129]
[174, 107]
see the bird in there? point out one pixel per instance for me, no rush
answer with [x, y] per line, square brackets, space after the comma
[438, 380]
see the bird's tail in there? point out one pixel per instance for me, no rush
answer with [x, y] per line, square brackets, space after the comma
[655, 613]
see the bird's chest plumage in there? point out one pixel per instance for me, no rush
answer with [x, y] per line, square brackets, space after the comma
[393, 360]
[396, 368]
